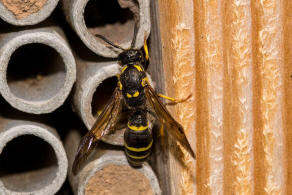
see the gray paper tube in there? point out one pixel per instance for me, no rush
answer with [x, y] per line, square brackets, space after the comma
[44, 172]
[36, 17]
[37, 69]
[99, 162]
[119, 32]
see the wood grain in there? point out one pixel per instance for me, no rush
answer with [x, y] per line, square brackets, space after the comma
[238, 139]
[268, 44]
[235, 58]
[158, 162]
[210, 69]
[288, 89]
[177, 34]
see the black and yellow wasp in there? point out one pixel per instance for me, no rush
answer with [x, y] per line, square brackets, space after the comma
[135, 91]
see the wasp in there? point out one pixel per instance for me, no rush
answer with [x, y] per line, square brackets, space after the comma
[133, 90]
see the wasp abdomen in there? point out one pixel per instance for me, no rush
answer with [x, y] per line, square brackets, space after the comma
[138, 139]
[137, 146]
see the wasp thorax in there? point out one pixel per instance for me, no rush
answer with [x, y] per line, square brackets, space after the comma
[138, 118]
[131, 56]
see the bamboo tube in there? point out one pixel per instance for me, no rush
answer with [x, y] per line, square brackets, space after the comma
[94, 87]
[37, 69]
[109, 172]
[32, 158]
[88, 17]
[29, 12]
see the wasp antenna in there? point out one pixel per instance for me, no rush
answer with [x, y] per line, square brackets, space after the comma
[134, 36]
[109, 42]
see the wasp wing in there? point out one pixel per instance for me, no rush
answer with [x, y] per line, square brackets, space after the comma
[103, 126]
[175, 130]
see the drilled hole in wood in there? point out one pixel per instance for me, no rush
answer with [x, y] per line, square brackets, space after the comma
[35, 72]
[109, 19]
[27, 163]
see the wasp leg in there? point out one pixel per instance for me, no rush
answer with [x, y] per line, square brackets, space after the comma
[175, 101]
[146, 48]
[146, 51]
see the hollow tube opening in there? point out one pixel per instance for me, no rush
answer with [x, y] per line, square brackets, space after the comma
[110, 20]
[22, 9]
[27, 163]
[35, 72]
[118, 179]
[102, 95]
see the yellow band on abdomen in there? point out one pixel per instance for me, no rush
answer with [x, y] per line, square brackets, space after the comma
[137, 157]
[139, 149]
[141, 128]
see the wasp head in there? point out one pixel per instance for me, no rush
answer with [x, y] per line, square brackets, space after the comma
[131, 56]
